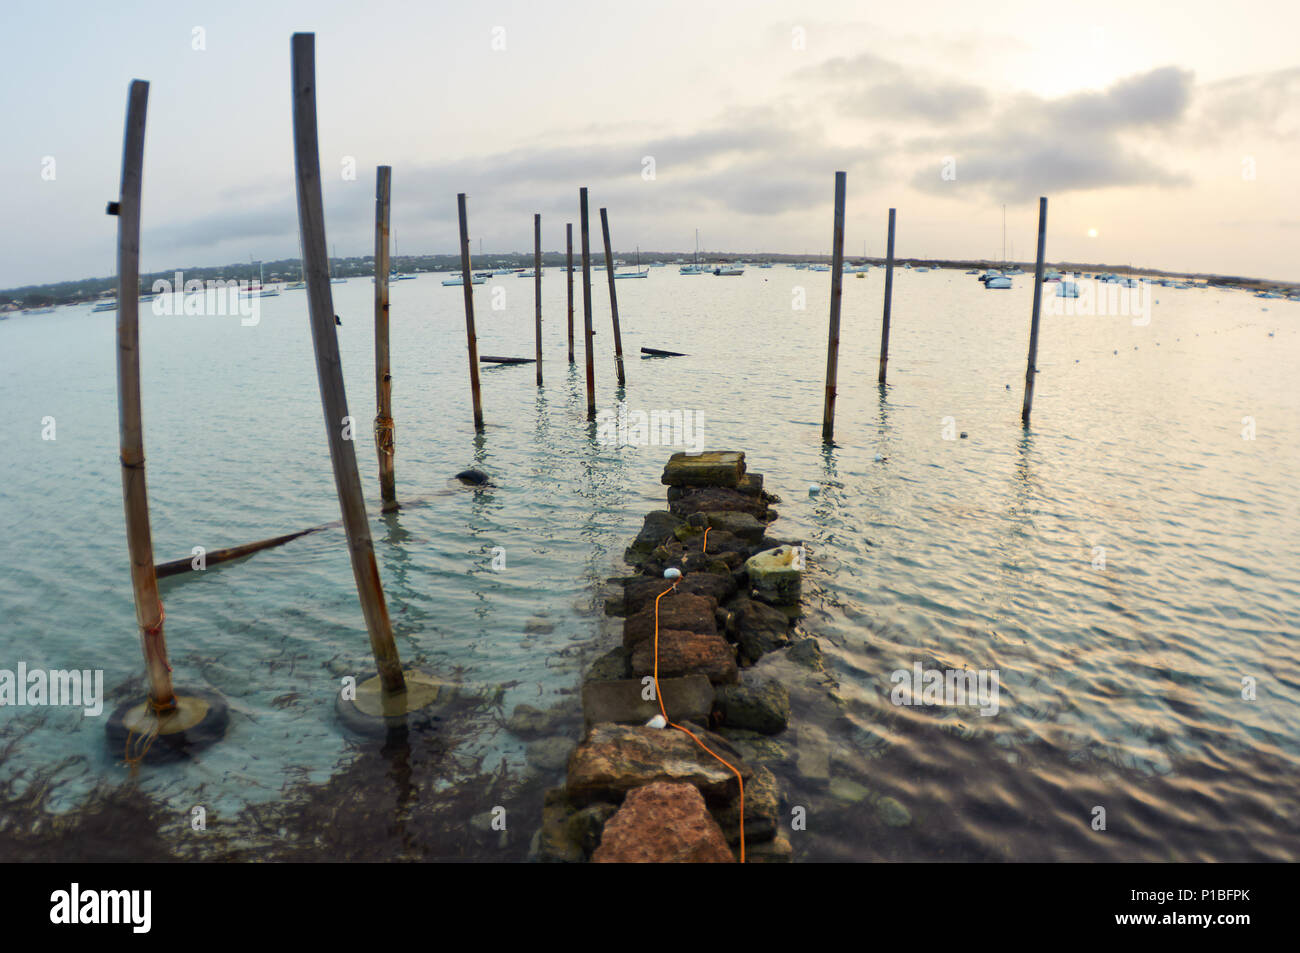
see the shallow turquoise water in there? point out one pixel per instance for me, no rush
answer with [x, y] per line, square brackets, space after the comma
[974, 551]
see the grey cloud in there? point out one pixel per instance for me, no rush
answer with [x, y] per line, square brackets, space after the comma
[1032, 146]
[867, 85]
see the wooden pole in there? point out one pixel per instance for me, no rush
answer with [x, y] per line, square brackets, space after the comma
[329, 369]
[586, 305]
[135, 496]
[889, 298]
[1038, 299]
[613, 299]
[537, 288]
[470, 336]
[385, 442]
[837, 282]
[568, 244]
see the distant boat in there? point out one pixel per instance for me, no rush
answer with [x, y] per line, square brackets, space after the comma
[632, 274]
[302, 285]
[529, 274]
[460, 282]
[922, 269]
[973, 271]
[338, 281]
[764, 264]
[819, 267]
[104, 306]
[1067, 289]
[729, 271]
[997, 281]
[694, 267]
[1052, 276]
[51, 310]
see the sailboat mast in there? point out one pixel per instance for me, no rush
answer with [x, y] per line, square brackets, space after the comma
[1004, 237]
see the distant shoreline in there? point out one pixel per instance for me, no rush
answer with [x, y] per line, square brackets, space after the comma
[86, 290]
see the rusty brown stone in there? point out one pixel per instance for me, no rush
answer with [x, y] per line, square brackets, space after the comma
[687, 653]
[663, 823]
[681, 612]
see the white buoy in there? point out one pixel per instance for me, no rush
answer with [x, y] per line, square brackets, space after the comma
[878, 458]
[673, 574]
[658, 721]
[813, 489]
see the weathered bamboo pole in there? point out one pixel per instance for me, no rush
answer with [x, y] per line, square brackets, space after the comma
[329, 369]
[135, 496]
[889, 298]
[1030, 371]
[586, 305]
[385, 432]
[537, 288]
[568, 243]
[837, 282]
[613, 299]
[470, 336]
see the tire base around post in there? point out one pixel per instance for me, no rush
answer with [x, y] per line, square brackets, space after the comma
[372, 715]
[201, 719]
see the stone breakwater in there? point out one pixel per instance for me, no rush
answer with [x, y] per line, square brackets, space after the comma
[634, 792]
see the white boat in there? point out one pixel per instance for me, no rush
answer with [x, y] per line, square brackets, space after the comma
[104, 306]
[460, 282]
[997, 281]
[819, 267]
[51, 310]
[632, 274]
[693, 268]
[729, 271]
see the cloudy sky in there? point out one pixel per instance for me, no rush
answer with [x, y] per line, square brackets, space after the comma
[1166, 136]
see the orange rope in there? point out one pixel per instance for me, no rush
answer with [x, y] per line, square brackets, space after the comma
[705, 548]
[664, 711]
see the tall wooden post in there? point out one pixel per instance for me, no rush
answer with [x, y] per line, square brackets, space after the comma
[1038, 300]
[385, 439]
[135, 496]
[568, 245]
[613, 299]
[329, 369]
[471, 337]
[586, 305]
[889, 298]
[837, 283]
[537, 288]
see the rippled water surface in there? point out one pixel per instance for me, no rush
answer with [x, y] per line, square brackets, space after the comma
[1121, 681]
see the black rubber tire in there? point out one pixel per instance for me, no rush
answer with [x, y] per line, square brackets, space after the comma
[358, 722]
[180, 745]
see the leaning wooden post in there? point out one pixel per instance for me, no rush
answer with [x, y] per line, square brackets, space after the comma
[568, 243]
[889, 298]
[135, 497]
[329, 369]
[167, 722]
[1038, 300]
[384, 430]
[586, 305]
[470, 336]
[537, 288]
[837, 282]
[613, 299]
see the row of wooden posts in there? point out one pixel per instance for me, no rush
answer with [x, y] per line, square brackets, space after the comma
[149, 610]
[837, 284]
[471, 335]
